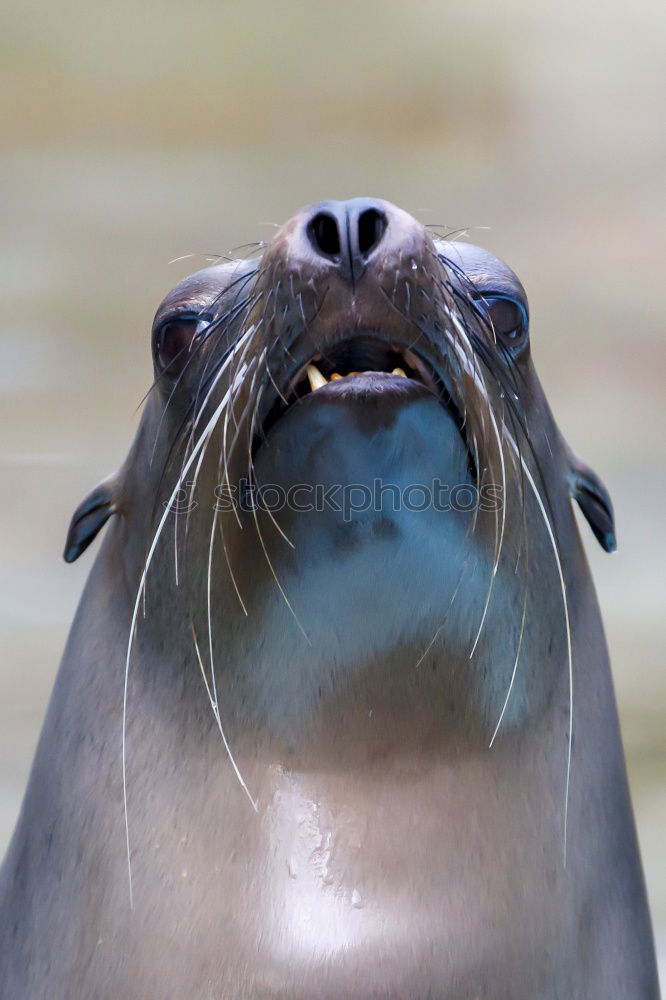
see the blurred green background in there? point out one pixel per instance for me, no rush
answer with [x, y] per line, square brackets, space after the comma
[134, 133]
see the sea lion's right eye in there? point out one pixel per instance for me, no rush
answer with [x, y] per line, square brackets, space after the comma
[174, 340]
[509, 321]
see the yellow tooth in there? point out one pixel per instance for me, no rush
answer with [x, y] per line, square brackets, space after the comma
[315, 377]
[399, 371]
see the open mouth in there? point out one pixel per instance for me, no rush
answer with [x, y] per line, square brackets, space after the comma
[359, 355]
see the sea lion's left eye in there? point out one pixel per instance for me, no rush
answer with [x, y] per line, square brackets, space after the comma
[174, 339]
[509, 320]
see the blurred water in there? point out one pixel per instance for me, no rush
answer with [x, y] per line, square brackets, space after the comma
[135, 134]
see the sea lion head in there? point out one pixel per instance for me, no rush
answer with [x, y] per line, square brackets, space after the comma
[347, 464]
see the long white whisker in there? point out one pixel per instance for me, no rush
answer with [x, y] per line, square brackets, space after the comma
[208, 607]
[513, 672]
[234, 382]
[262, 542]
[269, 512]
[567, 623]
[231, 572]
[451, 602]
[498, 543]
[198, 447]
[225, 450]
[237, 379]
[216, 713]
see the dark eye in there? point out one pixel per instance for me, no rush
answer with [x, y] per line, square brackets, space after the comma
[509, 320]
[174, 340]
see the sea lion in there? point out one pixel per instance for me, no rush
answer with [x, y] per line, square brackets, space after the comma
[323, 728]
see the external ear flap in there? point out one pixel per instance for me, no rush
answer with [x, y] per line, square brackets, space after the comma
[91, 515]
[594, 501]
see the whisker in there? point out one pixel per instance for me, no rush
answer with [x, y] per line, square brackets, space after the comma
[515, 667]
[565, 604]
[216, 713]
[265, 550]
[189, 462]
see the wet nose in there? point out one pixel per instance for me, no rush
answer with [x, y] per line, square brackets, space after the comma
[347, 233]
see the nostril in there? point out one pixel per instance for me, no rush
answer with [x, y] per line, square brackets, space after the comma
[325, 235]
[371, 227]
[346, 233]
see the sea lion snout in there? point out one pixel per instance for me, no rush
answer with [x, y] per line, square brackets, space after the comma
[347, 238]
[343, 279]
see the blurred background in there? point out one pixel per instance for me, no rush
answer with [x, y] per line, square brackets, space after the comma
[135, 133]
